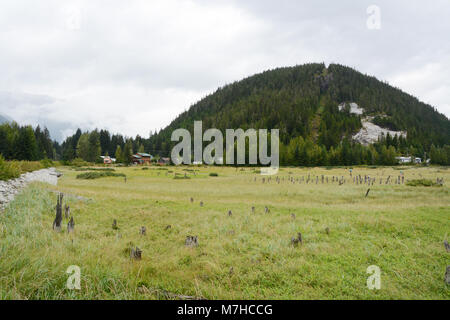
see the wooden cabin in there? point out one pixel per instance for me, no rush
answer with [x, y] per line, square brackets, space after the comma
[141, 158]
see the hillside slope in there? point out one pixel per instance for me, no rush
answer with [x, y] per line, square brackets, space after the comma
[303, 101]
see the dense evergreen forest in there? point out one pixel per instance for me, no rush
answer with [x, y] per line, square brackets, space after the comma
[301, 101]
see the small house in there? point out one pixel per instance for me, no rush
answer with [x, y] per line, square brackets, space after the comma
[108, 159]
[141, 158]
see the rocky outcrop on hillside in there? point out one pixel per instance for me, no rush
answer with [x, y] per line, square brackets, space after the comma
[9, 189]
[370, 132]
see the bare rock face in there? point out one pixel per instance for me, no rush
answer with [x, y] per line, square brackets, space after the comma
[370, 132]
[353, 108]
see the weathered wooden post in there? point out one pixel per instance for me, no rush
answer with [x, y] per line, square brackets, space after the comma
[58, 217]
[191, 241]
[136, 253]
[447, 275]
[70, 225]
[67, 211]
[296, 240]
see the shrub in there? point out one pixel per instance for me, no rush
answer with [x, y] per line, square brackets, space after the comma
[421, 183]
[47, 163]
[213, 174]
[95, 169]
[181, 177]
[29, 166]
[8, 170]
[78, 162]
[97, 175]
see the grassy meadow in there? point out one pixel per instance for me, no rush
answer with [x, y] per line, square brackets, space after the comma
[246, 255]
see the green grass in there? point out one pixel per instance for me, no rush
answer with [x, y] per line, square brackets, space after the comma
[399, 228]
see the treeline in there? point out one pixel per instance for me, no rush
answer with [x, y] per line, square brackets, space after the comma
[25, 143]
[89, 146]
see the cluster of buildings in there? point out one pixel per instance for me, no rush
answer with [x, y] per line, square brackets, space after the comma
[139, 158]
[403, 160]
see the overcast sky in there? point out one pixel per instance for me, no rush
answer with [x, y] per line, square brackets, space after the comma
[133, 66]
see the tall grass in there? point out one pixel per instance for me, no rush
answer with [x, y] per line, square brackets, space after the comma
[397, 227]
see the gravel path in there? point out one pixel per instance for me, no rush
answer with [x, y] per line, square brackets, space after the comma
[8, 189]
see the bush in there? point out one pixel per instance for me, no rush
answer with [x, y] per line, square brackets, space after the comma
[181, 177]
[47, 163]
[213, 174]
[95, 169]
[421, 183]
[8, 170]
[78, 162]
[97, 175]
[29, 166]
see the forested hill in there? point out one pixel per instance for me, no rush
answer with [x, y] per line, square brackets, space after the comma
[302, 101]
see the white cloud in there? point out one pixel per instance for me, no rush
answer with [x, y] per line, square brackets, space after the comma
[134, 66]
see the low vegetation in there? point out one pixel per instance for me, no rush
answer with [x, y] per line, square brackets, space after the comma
[422, 183]
[13, 169]
[94, 169]
[97, 175]
[245, 232]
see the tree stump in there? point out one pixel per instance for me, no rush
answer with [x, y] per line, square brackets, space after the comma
[58, 217]
[296, 240]
[136, 253]
[447, 275]
[70, 225]
[67, 211]
[191, 241]
[447, 246]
